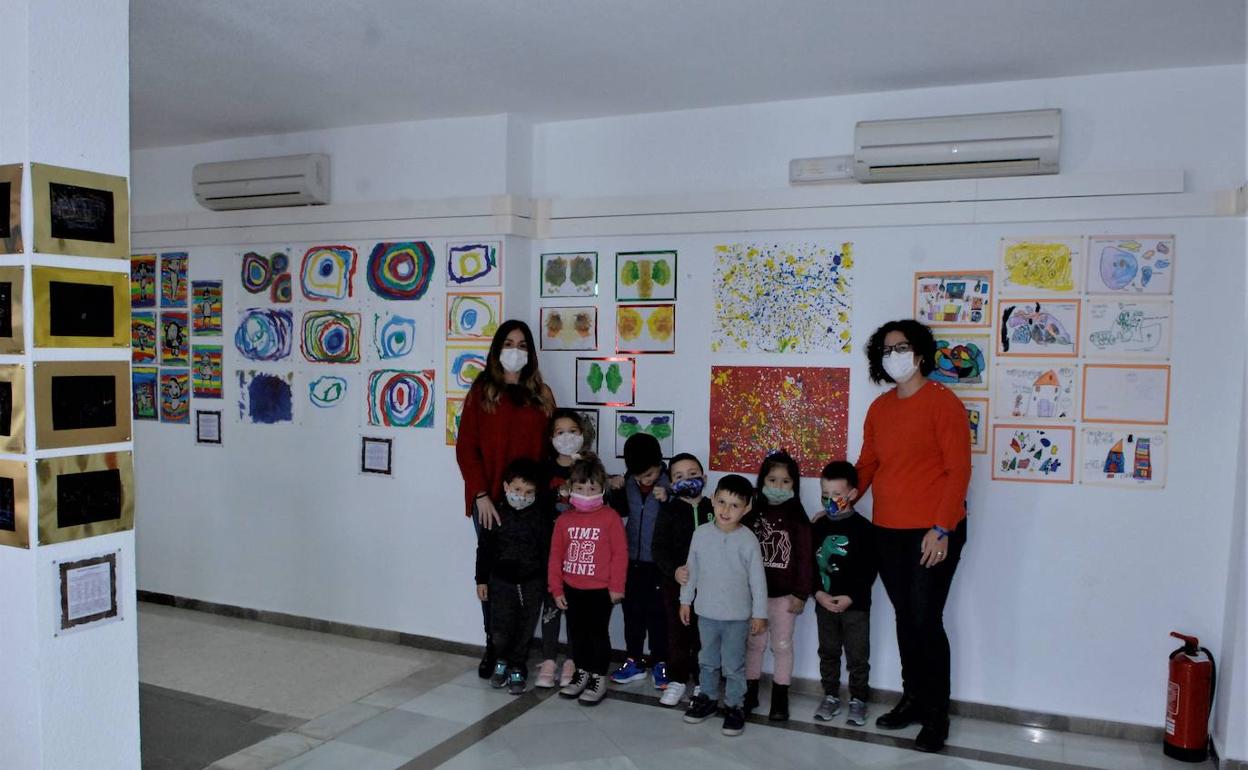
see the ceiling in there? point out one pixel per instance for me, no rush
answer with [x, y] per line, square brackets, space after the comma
[202, 71]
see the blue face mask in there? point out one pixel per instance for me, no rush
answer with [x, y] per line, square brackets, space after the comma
[689, 487]
[776, 496]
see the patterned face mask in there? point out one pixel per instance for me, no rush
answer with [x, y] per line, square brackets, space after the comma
[776, 496]
[689, 487]
[520, 502]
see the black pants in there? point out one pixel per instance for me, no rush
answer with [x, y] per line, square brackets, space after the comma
[683, 642]
[589, 622]
[918, 595]
[644, 612]
[849, 630]
[514, 609]
[485, 605]
[552, 618]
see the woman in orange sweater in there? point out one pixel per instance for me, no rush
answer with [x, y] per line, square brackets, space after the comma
[916, 456]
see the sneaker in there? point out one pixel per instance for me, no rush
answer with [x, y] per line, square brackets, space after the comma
[631, 671]
[659, 672]
[830, 707]
[499, 679]
[515, 683]
[595, 690]
[857, 712]
[569, 671]
[486, 667]
[546, 675]
[574, 688]
[700, 709]
[734, 721]
[672, 694]
[697, 690]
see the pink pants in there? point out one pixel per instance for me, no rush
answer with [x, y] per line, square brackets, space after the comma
[780, 624]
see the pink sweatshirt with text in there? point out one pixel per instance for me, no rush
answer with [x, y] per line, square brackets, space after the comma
[588, 550]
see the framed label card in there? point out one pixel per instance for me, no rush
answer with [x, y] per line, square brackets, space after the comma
[11, 208]
[80, 212]
[81, 308]
[14, 505]
[207, 427]
[11, 340]
[12, 408]
[88, 590]
[84, 496]
[81, 402]
[376, 455]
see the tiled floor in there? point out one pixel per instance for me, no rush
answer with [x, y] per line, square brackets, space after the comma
[330, 703]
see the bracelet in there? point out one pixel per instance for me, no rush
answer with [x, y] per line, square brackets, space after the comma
[481, 495]
[944, 533]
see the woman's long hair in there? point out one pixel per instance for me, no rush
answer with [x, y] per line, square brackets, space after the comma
[531, 389]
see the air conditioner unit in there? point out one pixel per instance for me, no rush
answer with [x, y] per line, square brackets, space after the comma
[957, 146]
[291, 180]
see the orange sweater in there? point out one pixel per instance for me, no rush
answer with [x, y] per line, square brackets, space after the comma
[916, 452]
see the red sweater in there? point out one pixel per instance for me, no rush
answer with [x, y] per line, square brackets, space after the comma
[917, 453]
[489, 441]
[589, 550]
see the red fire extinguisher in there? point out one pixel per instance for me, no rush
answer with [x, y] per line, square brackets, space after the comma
[1189, 700]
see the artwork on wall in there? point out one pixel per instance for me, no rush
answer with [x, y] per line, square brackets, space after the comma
[454, 414]
[329, 398]
[1037, 453]
[569, 328]
[12, 408]
[1127, 328]
[1124, 457]
[645, 328]
[1037, 392]
[264, 334]
[206, 303]
[1130, 264]
[14, 505]
[271, 273]
[1040, 267]
[955, 299]
[80, 308]
[463, 364]
[473, 317]
[173, 270]
[394, 335]
[175, 338]
[645, 275]
[376, 456]
[331, 337]
[794, 298]
[977, 420]
[328, 272]
[81, 403]
[401, 399]
[145, 393]
[962, 360]
[606, 381]
[143, 337]
[1038, 327]
[661, 425]
[80, 213]
[1126, 393]
[265, 398]
[175, 396]
[206, 371]
[755, 410]
[401, 270]
[474, 263]
[84, 496]
[88, 592]
[143, 280]
[570, 274]
[11, 208]
[12, 339]
[207, 427]
[591, 435]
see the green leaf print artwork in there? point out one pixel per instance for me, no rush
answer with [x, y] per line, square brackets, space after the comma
[614, 378]
[594, 378]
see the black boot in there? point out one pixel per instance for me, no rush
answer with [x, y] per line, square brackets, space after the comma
[779, 703]
[934, 733]
[751, 696]
[904, 714]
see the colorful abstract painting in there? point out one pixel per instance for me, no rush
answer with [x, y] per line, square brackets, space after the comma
[454, 413]
[568, 328]
[329, 399]
[1115, 327]
[271, 273]
[572, 274]
[398, 271]
[143, 337]
[1045, 328]
[175, 338]
[1040, 266]
[331, 337]
[1124, 457]
[661, 425]
[645, 275]
[264, 334]
[977, 421]
[265, 398]
[955, 299]
[1137, 264]
[145, 393]
[1036, 453]
[472, 317]
[401, 399]
[175, 396]
[772, 298]
[206, 373]
[606, 381]
[1036, 392]
[463, 364]
[645, 328]
[328, 391]
[474, 263]
[394, 336]
[962, 360]
[206, 308]
[143, 280]
[327, 272]
[758, 409]
[173, 286]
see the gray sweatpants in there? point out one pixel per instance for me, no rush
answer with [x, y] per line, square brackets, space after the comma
[850, 630]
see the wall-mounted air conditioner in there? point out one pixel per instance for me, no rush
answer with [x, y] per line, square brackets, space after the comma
[291, 180]
[958, 146]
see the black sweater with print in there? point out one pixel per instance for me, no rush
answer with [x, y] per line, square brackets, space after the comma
[845, 562]
[674, 531]
[517, 549]
[783, 533]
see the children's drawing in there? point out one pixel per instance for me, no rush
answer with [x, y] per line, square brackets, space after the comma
[1038, 453]
[1038, 327]
[1127, 328]
[1126, 393]
[145, 393]
[661, 425]
[962, 360]
[454, 413]
[331, 337]
[143, 338]
[1124, 457]
[260, 273]
[143, 280]
[172, 279]
[265, 398]
[473, 263]
[645, 328]
[400, 270]
[473, 316]
[1036, 392]
[280, 292]
[329, 400]
[327, 391]
[1040, 266]
[206, 376]
[206, 308]
[606, 381]
[773, 298]
[175, 396]
[327, 272]
[175, 338]
[463, 364]
[645, 275]
[264, 335]
[569, 275]
[759, 409]
[977, 420]
[591, 434]
[954, 299]
[569, 328]
[400, 399]
[1138, 264]
[394, 336]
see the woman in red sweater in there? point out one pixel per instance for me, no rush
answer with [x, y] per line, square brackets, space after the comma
[916, 455]
[504, 418]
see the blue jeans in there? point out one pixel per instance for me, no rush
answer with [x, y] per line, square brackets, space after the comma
[723, 649]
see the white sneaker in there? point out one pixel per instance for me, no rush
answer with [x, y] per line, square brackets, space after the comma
[580, 680]
[672, 695]
[595, 690]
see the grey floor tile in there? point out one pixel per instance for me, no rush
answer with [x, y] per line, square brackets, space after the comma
[395, 694]
[602, 763]
[401, 732]
[280, 721]
[177, 733]
[543, 747]
[343, 756]
[268, 753]
[456, 703]
[338, 721]
[487, 754]
[553, 711]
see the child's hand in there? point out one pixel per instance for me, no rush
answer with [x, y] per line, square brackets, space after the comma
[796, 605]
[824, 600]
[757, 626]
[660, 494]
[616, 482]
[483, 592]
[682, 574]
[561, 602]
[615, 598]
[686, 614]
[840, 603]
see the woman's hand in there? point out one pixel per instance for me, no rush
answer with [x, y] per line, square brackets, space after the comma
[796, 605]
[682, 574]
[934, 549]
[686, 614]
[561, 602]
[483, 592]
[487, 514]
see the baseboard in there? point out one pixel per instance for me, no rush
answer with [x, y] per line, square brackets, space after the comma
[1060, 722]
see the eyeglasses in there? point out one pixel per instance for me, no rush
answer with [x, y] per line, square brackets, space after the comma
[900, 347]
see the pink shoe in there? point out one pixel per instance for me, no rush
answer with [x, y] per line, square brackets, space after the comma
[569, 671]
[546, 675]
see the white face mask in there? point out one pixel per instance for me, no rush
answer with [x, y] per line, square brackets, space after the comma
[900, 366]
[513, 359]
[568, 443]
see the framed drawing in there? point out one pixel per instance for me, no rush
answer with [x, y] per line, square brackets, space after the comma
[1130, 264]
[954, 299]
[606, 381]
[1036, 391]
[1036, 453]
[1040, 267]
[474, 264]
[78, 403]
[80, 213]
[571, 274]
[85, 495]
[645, 328]
[11, 208]
[12, 408]
[1040, 328]
[11, 316]
[645, 276]
[80, 308]
[569, 328]
[473, 317]
[14, 504]
[1126, 393]
[661, 425]
[1135, 457]
[962, 360]
[1127, 327]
